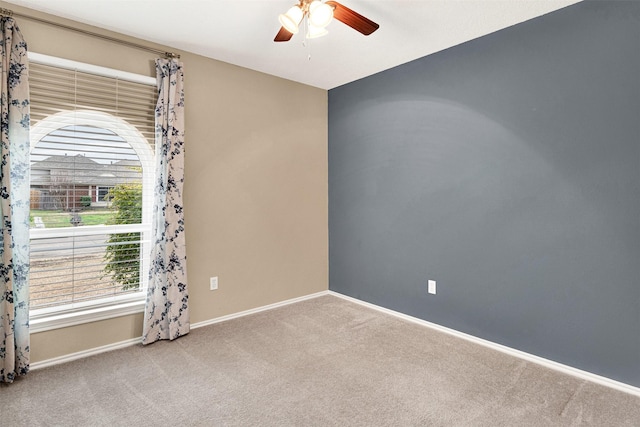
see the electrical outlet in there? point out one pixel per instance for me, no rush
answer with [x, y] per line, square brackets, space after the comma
[432, 287]
[213, 283]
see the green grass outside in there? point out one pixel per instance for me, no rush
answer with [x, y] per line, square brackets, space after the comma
[59, 219]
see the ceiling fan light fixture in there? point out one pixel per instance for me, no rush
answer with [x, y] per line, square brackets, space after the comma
[315, 32]
[291, 19]
[320, 14]
[316, 15]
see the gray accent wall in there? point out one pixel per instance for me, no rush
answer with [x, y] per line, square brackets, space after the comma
[508, 170]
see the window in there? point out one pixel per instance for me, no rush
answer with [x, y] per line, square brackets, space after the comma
[102, 193]
[92, 170]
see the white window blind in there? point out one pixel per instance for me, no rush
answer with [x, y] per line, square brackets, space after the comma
[91, 185]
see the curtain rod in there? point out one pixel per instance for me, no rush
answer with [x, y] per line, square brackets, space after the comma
[10, 13]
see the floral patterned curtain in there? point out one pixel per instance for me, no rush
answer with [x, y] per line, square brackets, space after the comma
[166, 311]
[14, 203]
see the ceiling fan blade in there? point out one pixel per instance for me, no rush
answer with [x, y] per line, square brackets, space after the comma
[353, 19]
[283, 35]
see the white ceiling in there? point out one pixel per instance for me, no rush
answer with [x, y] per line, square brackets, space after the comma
[241, 32]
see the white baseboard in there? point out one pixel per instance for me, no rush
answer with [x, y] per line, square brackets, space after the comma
[257, 310]
[499, 347]
[585, 375]
[133, 341]
[84, 353]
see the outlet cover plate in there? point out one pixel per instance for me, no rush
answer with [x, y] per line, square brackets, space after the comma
[432, 287]
[213, 283]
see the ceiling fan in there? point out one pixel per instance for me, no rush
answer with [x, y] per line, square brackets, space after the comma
[317, 16]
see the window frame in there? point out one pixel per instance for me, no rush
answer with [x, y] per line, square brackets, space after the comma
[131, 303]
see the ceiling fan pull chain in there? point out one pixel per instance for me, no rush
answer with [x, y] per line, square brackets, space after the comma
[306, 41]
[307, 45]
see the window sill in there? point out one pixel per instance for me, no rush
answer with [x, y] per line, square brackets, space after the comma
[41, 320]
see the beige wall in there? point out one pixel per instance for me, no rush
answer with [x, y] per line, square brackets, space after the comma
[255, 185]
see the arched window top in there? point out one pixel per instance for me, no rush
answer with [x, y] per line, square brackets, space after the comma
[102, 146]
[92, 134]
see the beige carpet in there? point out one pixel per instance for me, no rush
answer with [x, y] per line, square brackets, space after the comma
[322, 362]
